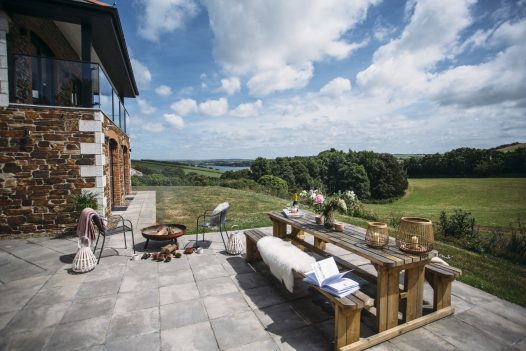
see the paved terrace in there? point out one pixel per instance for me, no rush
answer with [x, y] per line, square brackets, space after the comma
[203, 301]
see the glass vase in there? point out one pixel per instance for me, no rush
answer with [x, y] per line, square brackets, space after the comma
[329, 220]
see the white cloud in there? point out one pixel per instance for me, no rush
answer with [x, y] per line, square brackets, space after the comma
[174, 120]
[404, 65]
[163, 90]
[230, 85]
[145, 106]
[142, 74]
[184, 107]
[153, 127]
[164, 16]
[336, 87]
[286, 38]
[284, 78]
[247, 109]
[214, 107]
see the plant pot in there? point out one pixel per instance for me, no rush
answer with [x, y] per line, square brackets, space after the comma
[319, 219]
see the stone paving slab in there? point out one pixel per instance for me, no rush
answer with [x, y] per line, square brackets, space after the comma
[209, 301]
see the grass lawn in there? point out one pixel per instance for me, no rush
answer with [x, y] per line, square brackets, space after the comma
[183, 204]
[494, 202]
[159, 166]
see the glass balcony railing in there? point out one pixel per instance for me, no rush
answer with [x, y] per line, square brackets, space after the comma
[53, 82]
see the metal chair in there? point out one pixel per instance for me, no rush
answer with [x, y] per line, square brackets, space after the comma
[115, 224]
[213, 219]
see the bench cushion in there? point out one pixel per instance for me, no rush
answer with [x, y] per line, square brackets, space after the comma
[283, 258]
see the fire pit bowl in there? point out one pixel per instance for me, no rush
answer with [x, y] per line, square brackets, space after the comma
[162, 232]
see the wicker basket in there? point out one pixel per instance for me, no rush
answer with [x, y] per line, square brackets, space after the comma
[377, 235]
[415, 235]
[84, 260]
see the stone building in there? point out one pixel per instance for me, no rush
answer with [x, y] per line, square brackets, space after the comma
[64, 74]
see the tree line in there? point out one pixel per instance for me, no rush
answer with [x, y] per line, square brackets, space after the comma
[372, 176]
[468, 162]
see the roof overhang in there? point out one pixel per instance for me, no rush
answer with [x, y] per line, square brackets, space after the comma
[107, 35]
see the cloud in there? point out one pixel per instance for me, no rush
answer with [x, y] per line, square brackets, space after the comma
[163, 90]
[336, 87]
[184, 107]
[247, 109]
[214, 107]
[141, 72]
[164, 16]
[145, 107]
[286, 38]
[284, 78]
[174, 120]
[153, 127]
[230, 85]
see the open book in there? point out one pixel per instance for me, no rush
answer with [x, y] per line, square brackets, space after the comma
[326, 275]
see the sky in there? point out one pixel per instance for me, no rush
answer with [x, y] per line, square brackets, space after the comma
[242, 79]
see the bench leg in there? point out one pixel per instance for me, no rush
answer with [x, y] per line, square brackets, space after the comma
[252, 251]
[441, 291]
[347, 326]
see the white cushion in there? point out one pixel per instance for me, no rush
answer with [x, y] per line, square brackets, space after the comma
[215, 218]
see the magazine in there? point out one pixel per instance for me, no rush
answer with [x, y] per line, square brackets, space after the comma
[326, 275]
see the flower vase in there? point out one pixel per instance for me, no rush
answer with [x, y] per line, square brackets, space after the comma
[329, 220]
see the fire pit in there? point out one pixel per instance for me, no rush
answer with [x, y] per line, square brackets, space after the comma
[162, 232]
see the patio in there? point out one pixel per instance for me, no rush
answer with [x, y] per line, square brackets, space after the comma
[203, 301]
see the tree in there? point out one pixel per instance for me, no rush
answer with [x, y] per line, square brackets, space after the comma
[260, 167]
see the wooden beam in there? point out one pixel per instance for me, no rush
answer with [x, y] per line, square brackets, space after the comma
[396, 331]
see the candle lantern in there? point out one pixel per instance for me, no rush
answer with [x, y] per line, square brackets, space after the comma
[415, 235]
[377, 235]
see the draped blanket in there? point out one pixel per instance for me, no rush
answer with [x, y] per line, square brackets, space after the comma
[85, 228]
[282, 257]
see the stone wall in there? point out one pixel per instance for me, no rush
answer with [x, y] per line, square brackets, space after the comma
[40, 168]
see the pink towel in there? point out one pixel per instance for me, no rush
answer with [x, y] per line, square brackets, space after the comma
[85, 227]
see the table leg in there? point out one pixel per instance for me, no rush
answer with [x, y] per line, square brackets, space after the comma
[414, 282]
[299, 234]
[387, 298]
[318, 243]
[279, 229]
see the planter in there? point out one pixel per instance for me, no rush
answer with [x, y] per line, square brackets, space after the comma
[329, 220]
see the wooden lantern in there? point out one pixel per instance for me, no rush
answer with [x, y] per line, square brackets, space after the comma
[377, 235]
[415, 235]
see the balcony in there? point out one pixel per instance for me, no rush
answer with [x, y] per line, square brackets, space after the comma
[48, 81]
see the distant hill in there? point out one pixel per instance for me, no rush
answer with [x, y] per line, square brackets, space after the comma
[510, 147]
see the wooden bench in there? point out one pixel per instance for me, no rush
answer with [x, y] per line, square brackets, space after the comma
[441, 277]
[347, 310]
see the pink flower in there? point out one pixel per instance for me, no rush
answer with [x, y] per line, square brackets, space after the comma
[319, 199]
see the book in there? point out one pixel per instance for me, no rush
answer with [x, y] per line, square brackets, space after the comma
[325, 274]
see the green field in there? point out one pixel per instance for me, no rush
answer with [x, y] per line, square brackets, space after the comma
[159, 166]
[494, 202]
[249, 210]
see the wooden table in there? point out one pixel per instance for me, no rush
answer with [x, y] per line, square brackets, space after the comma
[389, 262]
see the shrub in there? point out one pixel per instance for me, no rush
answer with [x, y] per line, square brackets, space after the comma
[274, 185]
[247, 184]
[83, 200]
[459, 225]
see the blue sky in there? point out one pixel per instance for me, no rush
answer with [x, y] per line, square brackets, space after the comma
[241, 79]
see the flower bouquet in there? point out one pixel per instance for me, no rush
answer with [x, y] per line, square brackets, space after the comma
[334, 203]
